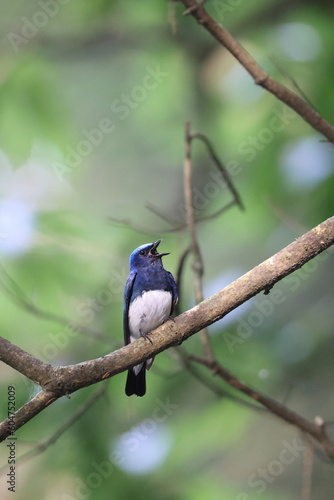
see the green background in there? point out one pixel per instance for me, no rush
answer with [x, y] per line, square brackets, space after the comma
[93, 101]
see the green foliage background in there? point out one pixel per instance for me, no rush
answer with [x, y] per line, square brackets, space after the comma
[66, 68]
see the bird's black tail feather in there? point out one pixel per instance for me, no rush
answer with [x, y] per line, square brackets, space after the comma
[136, 384]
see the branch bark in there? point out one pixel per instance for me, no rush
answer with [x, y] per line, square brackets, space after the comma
[57, 381]
[259, 76]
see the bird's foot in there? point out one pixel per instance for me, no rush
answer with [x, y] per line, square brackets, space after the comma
[146, 336]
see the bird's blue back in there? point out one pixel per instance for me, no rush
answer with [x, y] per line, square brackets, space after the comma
[145, 276]
[149, 297]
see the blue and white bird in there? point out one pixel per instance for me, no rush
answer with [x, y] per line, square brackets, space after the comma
[149, 298]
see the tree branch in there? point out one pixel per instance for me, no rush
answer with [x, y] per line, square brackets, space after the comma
[190, 136]
[81, 410]
[57, 381]
[25, 363]
[197, 266]
[259, 76]
[213, 155]
[278, 409]
[28, 411]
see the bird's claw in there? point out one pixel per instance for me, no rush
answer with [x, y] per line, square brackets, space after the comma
[145, 335]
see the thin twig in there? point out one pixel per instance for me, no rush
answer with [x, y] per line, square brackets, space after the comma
[306, 493]
[172, 17]
[220, 167]
[286, 218]
[135, 227]
[181, 227]
[294, 82]
[159, 213]
[178, 277]
[198, 261]
[175, 229]
[276, 408]
[210, 384]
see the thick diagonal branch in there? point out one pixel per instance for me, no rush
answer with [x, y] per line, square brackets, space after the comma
[57, 381]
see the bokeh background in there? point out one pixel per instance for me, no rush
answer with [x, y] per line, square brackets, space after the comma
[93, 101]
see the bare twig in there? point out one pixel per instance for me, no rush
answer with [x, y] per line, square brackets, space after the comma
[159, 213]
[306, 493]
[179, 275]
[215, 158]
[210, 384]
[258, 74]
[135, 227]
[287, 218]
[198, 261]
[176, 229]
[181, 227]
[172, 17]
[278, 409]
[294, 82]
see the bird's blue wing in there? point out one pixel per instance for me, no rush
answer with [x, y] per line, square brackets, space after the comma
[127, 298]
[175, 295]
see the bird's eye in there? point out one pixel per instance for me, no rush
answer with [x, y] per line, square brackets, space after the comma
[142, 252]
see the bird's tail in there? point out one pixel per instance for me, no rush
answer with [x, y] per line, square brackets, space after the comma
[136, 384]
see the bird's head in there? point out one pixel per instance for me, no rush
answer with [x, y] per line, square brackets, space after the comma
[146, 255]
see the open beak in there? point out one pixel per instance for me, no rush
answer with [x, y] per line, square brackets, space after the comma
[154, 252]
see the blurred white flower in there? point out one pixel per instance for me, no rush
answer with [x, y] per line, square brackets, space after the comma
[144, 448]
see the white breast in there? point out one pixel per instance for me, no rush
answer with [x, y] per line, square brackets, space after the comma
[148, 311]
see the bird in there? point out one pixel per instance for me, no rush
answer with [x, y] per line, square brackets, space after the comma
[150, 296]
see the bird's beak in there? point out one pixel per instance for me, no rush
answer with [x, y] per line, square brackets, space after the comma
[154, 252]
